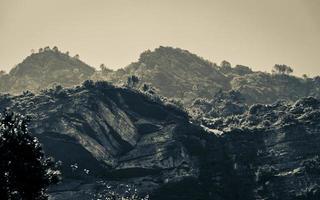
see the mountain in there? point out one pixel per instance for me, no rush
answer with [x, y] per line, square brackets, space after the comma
[176, 73]
[171, 72]
[106, 135]
[45, 69]
[267, 88]
[179, 74]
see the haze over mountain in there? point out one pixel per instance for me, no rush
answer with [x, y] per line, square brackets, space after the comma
[177, 73]
[249, 32]
[45, 69]
[172, 72]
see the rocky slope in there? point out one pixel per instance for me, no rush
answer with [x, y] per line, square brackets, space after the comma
[111, 136]
[100, 132]
[272, 151]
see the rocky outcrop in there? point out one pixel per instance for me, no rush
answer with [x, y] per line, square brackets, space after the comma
[104, 133]
[271, 152]
[112, 136]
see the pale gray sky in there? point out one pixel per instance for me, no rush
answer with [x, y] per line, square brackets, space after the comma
[257, 33]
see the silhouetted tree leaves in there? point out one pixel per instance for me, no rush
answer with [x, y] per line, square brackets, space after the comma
[25, 172]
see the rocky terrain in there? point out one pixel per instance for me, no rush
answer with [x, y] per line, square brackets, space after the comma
[106, 135]
[101, 133]
[272, 149]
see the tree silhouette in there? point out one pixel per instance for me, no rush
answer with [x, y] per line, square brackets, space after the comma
[47, 48]
[282, 69]
[225, 66]
[104, 69]
[55, 49]
[2, 72]
[305, 76]
[132, 81]
[25, 172]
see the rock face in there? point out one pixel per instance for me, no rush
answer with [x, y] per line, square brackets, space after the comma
[104, 133]
[121, 136]
[272, 152]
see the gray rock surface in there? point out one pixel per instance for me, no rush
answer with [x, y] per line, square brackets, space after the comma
[111, 136]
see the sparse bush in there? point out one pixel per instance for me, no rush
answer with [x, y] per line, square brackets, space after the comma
[103, 85]
[225, 66]
[88, 84]
[47, 48]
[60, 92]
[132, 81]
[55, 49]
[242, 70]
[255, 109]
[282, 69]
[27, 93]
[104, 69]
[2, 72]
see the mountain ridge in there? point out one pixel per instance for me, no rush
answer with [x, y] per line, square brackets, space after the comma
[172, 72]
[47, 68]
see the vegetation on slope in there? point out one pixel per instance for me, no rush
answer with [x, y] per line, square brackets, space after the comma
[47, 68]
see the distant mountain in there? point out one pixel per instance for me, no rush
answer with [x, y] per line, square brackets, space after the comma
[170, 72]
[45, 69]
[176, 73]
[262, 87]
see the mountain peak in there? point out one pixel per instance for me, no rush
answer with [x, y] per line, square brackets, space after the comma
[171, 54]
[45, 68]
[50, 60]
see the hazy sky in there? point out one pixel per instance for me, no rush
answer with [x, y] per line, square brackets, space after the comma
[257, 33]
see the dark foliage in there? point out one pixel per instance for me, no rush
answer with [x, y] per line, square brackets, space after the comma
[25, 172]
